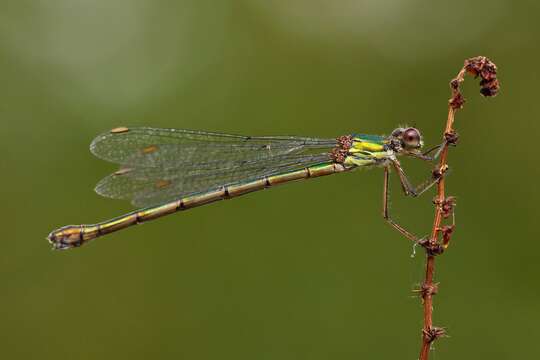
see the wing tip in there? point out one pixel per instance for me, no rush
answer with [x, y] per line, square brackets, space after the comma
[94, 145]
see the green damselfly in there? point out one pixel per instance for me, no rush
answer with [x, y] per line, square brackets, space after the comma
[169, 170]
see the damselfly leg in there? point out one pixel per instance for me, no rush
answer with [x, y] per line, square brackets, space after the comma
[386, 214]
[438, 149]
[408, 189]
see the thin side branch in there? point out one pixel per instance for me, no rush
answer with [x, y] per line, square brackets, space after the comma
[444, 206]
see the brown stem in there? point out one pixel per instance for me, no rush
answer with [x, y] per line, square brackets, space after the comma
[478, 66]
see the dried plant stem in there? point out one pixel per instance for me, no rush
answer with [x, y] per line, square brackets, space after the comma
[478, 66]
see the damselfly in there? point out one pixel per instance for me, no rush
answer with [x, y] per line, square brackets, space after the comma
[170, 170]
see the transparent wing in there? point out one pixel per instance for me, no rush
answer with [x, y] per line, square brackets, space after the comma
[147, 186]
[159, 165]
[185, 149]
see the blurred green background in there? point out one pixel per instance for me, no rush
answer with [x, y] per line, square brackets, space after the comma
[306, 271]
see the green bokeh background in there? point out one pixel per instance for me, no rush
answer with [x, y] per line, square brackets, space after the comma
[306, 271]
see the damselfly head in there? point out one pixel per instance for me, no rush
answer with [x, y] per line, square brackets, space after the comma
[410, 138]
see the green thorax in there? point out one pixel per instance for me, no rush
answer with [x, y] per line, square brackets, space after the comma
[368, 150]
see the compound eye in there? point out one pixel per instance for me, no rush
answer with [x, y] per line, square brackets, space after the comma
[411, 138]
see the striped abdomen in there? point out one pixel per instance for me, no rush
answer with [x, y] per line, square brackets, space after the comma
[76, 235]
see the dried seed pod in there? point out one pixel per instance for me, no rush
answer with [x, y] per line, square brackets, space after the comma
[487, 70]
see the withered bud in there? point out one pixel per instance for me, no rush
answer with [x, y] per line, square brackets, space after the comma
[487, 70]
[433, 334]
[457, 101]
[427, 289]
[475, 65]
[488, 92]
[447, 232]
[447, 206]
[489, 87]
[451, 137]
[432, 248]
[439, 171]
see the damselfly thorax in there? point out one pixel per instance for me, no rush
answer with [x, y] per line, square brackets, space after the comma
[164, 171]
